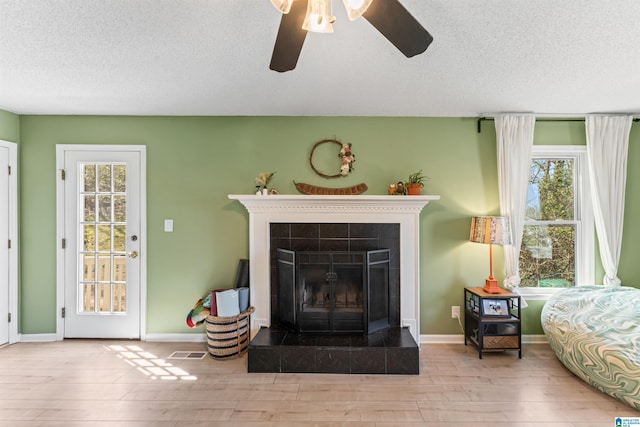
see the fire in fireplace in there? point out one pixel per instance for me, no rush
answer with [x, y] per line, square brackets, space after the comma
[333, 291]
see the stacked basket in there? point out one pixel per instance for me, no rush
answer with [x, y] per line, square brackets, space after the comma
[228, 337]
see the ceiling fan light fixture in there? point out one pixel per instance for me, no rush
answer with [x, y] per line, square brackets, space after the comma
[355, 8]
[283, 6]
[318, 18]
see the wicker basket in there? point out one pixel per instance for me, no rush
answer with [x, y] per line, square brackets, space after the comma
[499, 342]
[228, 337]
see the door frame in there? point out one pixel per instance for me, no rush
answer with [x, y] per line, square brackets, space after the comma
[13, 236]
[61, 149]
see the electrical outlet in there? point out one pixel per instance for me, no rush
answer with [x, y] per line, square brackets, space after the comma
[455, 311]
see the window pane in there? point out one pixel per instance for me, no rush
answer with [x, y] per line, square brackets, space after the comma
[104, 208]
[119, 208]
[89, 178]
[119, 297]
[89, 207]
[547, 256]
[104, 268]
[89, 237]
[119, 268]
[104, 178]
[119, 238]
[89, 268]
[88, 297]
[550, 195]
[104, 297]
[119, 178]
[104, 238]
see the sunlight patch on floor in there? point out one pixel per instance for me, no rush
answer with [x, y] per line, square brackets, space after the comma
[153, 366]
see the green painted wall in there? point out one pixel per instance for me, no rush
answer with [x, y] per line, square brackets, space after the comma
[194, 162]
[9, 126]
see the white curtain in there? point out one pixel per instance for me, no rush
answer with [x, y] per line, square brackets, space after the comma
[514, 139]
[607, 146]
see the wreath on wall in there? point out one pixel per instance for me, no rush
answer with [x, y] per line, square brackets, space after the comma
[347, 158]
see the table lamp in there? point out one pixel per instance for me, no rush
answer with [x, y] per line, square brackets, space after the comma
[493, 230]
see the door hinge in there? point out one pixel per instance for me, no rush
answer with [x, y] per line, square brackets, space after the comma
[9, 243]
[64, 243]
[9, 317]
[64, 312]
[63, 175]
[9, 170]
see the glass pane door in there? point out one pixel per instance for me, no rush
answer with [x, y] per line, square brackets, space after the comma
[102, 282]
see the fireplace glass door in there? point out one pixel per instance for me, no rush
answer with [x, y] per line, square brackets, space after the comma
[333, 292]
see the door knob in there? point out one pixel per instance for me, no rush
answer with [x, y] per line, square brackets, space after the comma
[133, 254]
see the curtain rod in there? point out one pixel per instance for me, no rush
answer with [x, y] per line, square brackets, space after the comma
[541, 119]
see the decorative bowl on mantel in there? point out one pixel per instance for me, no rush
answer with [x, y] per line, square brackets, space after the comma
[315, 190]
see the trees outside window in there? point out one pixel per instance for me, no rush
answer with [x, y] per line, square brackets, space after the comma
[557, 241]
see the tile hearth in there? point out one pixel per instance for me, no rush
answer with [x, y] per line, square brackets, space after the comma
[392, 351]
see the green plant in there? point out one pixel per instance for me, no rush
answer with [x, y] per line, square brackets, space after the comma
[417, 178]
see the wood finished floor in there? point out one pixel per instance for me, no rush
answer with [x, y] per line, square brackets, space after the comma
[132, 383]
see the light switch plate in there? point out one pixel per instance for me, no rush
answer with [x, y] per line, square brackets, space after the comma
[168, 226]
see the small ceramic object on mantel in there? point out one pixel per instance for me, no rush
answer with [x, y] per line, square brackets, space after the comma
[262, 181]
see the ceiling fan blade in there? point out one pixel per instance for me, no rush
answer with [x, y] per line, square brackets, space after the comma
[398, 26]
[290, 38]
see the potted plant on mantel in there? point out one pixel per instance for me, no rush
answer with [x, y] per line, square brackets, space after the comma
[415, 183]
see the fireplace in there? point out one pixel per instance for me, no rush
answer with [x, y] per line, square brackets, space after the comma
[333, 292]
[404, 211]
[333, 226]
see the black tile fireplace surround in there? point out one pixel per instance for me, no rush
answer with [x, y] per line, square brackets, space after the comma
[338, 237]
[390, 351]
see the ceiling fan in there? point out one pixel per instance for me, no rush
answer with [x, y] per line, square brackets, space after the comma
[389, 17]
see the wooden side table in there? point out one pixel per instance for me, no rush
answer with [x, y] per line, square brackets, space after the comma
[492, 322]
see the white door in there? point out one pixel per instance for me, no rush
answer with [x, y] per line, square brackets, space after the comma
[4, 245]
[102, 240]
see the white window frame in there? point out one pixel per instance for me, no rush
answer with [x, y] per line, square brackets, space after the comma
[585, 231]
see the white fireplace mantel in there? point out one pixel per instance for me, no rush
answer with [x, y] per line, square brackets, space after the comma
[403, 210]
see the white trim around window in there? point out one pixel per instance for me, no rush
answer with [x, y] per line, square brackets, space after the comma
[585, 232]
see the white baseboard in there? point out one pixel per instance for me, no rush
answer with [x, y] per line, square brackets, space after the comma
[442, 339]
[534, 339]
[176, 338]
[424, 339]
[37, 338]
[149, 337]
[459, 339]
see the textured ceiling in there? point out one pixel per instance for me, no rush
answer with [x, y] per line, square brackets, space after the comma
[211, 57]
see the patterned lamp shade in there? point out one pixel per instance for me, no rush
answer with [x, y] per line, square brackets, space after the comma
[490, 229]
